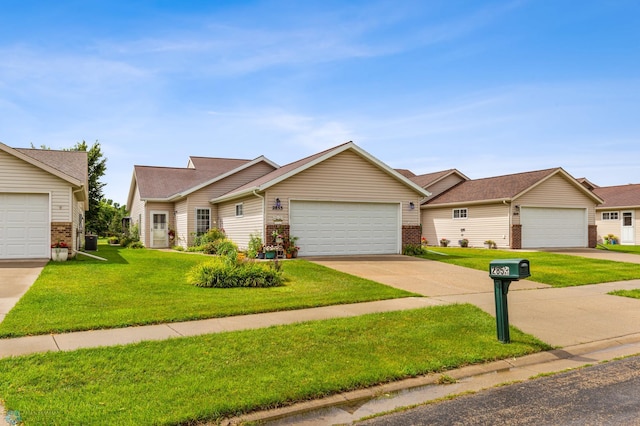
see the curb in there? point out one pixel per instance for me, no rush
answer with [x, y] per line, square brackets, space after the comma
[471, 378]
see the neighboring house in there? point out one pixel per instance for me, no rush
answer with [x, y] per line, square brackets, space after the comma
[438, 182]
[545, 208]
[339, 201]
[618, 215]
[43, 198]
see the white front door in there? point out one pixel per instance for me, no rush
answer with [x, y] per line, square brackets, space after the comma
[627, 234]
[159, 228]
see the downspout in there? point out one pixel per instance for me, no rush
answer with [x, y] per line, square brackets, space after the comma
[78, 230]
[510, 220]
[264, 214]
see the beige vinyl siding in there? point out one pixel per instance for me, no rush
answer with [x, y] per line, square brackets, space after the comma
[556, 192]
[200, 199]
[606, 227]
[138, 215]
[20, 176]
[484, 222]
[344, 177]
[180, 223]
[238, 229]
[444, 184]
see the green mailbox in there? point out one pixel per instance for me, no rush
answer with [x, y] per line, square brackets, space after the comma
[503, 272]
[509, 269]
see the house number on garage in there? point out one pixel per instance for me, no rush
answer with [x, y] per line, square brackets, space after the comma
[500, 270]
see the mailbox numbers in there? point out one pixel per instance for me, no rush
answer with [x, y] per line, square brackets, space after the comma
[500, 270]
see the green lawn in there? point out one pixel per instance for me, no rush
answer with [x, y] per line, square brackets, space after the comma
[558, 270]
[136, 287]
[621, 249]
[183, 380]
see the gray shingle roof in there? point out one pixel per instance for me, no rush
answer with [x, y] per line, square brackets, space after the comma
[71, 163]
[619, 196]
[493, 188]
[430, 178]
[163, 182]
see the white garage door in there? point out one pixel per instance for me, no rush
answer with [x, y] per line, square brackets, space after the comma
[335, 228]
[553, 227]
[24, 226]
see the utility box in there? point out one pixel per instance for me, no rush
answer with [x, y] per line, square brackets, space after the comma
[509, 269]
[503, 272]
[91, 242]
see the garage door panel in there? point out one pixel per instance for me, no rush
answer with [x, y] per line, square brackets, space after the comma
[345, 228]
[24, 226]
[553, 227]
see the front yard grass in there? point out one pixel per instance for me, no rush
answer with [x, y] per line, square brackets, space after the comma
[558, 270]
[620, 248]
[206, 378]
[136, 287]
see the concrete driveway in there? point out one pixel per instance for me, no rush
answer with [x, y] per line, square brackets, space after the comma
[425, 277]
[15, 279]
[558, 316]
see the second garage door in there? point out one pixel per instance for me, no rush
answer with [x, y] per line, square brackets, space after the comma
[553, 227]
[342, 228]
[24, 226]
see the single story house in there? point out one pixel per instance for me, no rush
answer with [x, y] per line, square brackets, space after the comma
[545, 208]
[43, 198]
[338, 201]
[618, 214]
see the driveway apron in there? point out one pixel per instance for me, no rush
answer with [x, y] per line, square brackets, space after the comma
[15, 279]
[558, 316]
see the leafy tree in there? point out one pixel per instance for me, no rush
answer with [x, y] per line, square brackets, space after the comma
[97, 168]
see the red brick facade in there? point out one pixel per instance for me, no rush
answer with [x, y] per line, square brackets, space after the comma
[516, 236]
[593, 236]
[62, 231]
[411, 234]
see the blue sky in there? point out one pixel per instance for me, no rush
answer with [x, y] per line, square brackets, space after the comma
[489, 88]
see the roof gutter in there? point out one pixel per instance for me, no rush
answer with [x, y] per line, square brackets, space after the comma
[467, 203]
[264, 213]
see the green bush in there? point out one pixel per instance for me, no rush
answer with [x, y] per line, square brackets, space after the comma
[135, 245]
[209, 248]
[211, 236]
[221, 272]
[254, 246]
[227, 249]
[412, 250]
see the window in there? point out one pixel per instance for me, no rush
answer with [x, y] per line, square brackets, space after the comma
[460, 213]
[203, 221]
[238, 210]
[610, 216]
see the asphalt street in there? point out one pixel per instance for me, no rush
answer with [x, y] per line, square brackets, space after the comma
[605, 394]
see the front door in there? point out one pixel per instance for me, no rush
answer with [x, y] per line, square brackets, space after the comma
[628, 232]
[159, 234]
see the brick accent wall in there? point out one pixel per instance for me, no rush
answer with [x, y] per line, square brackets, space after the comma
[283, 229]
[62, 231]
[593, 236]
[516, 236]
[411, 234]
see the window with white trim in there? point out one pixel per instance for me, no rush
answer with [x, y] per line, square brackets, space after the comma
[610, 216]
[203, 221]
[460, 213]
[239, 210]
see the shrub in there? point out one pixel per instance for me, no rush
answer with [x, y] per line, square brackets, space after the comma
[211, 236]
[412, 250]
[221, 272]
[254, 246]
[208, 248]
[135, 245]
[227, 249]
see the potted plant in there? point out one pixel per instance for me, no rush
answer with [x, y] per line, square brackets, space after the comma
[463, 242]
[423, 241]
[59, 251]
[270, 252]
[490, 244]
[444, 242]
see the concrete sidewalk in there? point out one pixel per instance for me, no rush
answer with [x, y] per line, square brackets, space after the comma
[16, 277]
[587, 323]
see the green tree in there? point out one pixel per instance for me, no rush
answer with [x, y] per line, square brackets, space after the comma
[97, 168]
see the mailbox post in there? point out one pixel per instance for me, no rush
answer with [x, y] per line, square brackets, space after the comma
[503, 272]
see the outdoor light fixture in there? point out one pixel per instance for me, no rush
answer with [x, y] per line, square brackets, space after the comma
[277, 205]
[411, 205]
